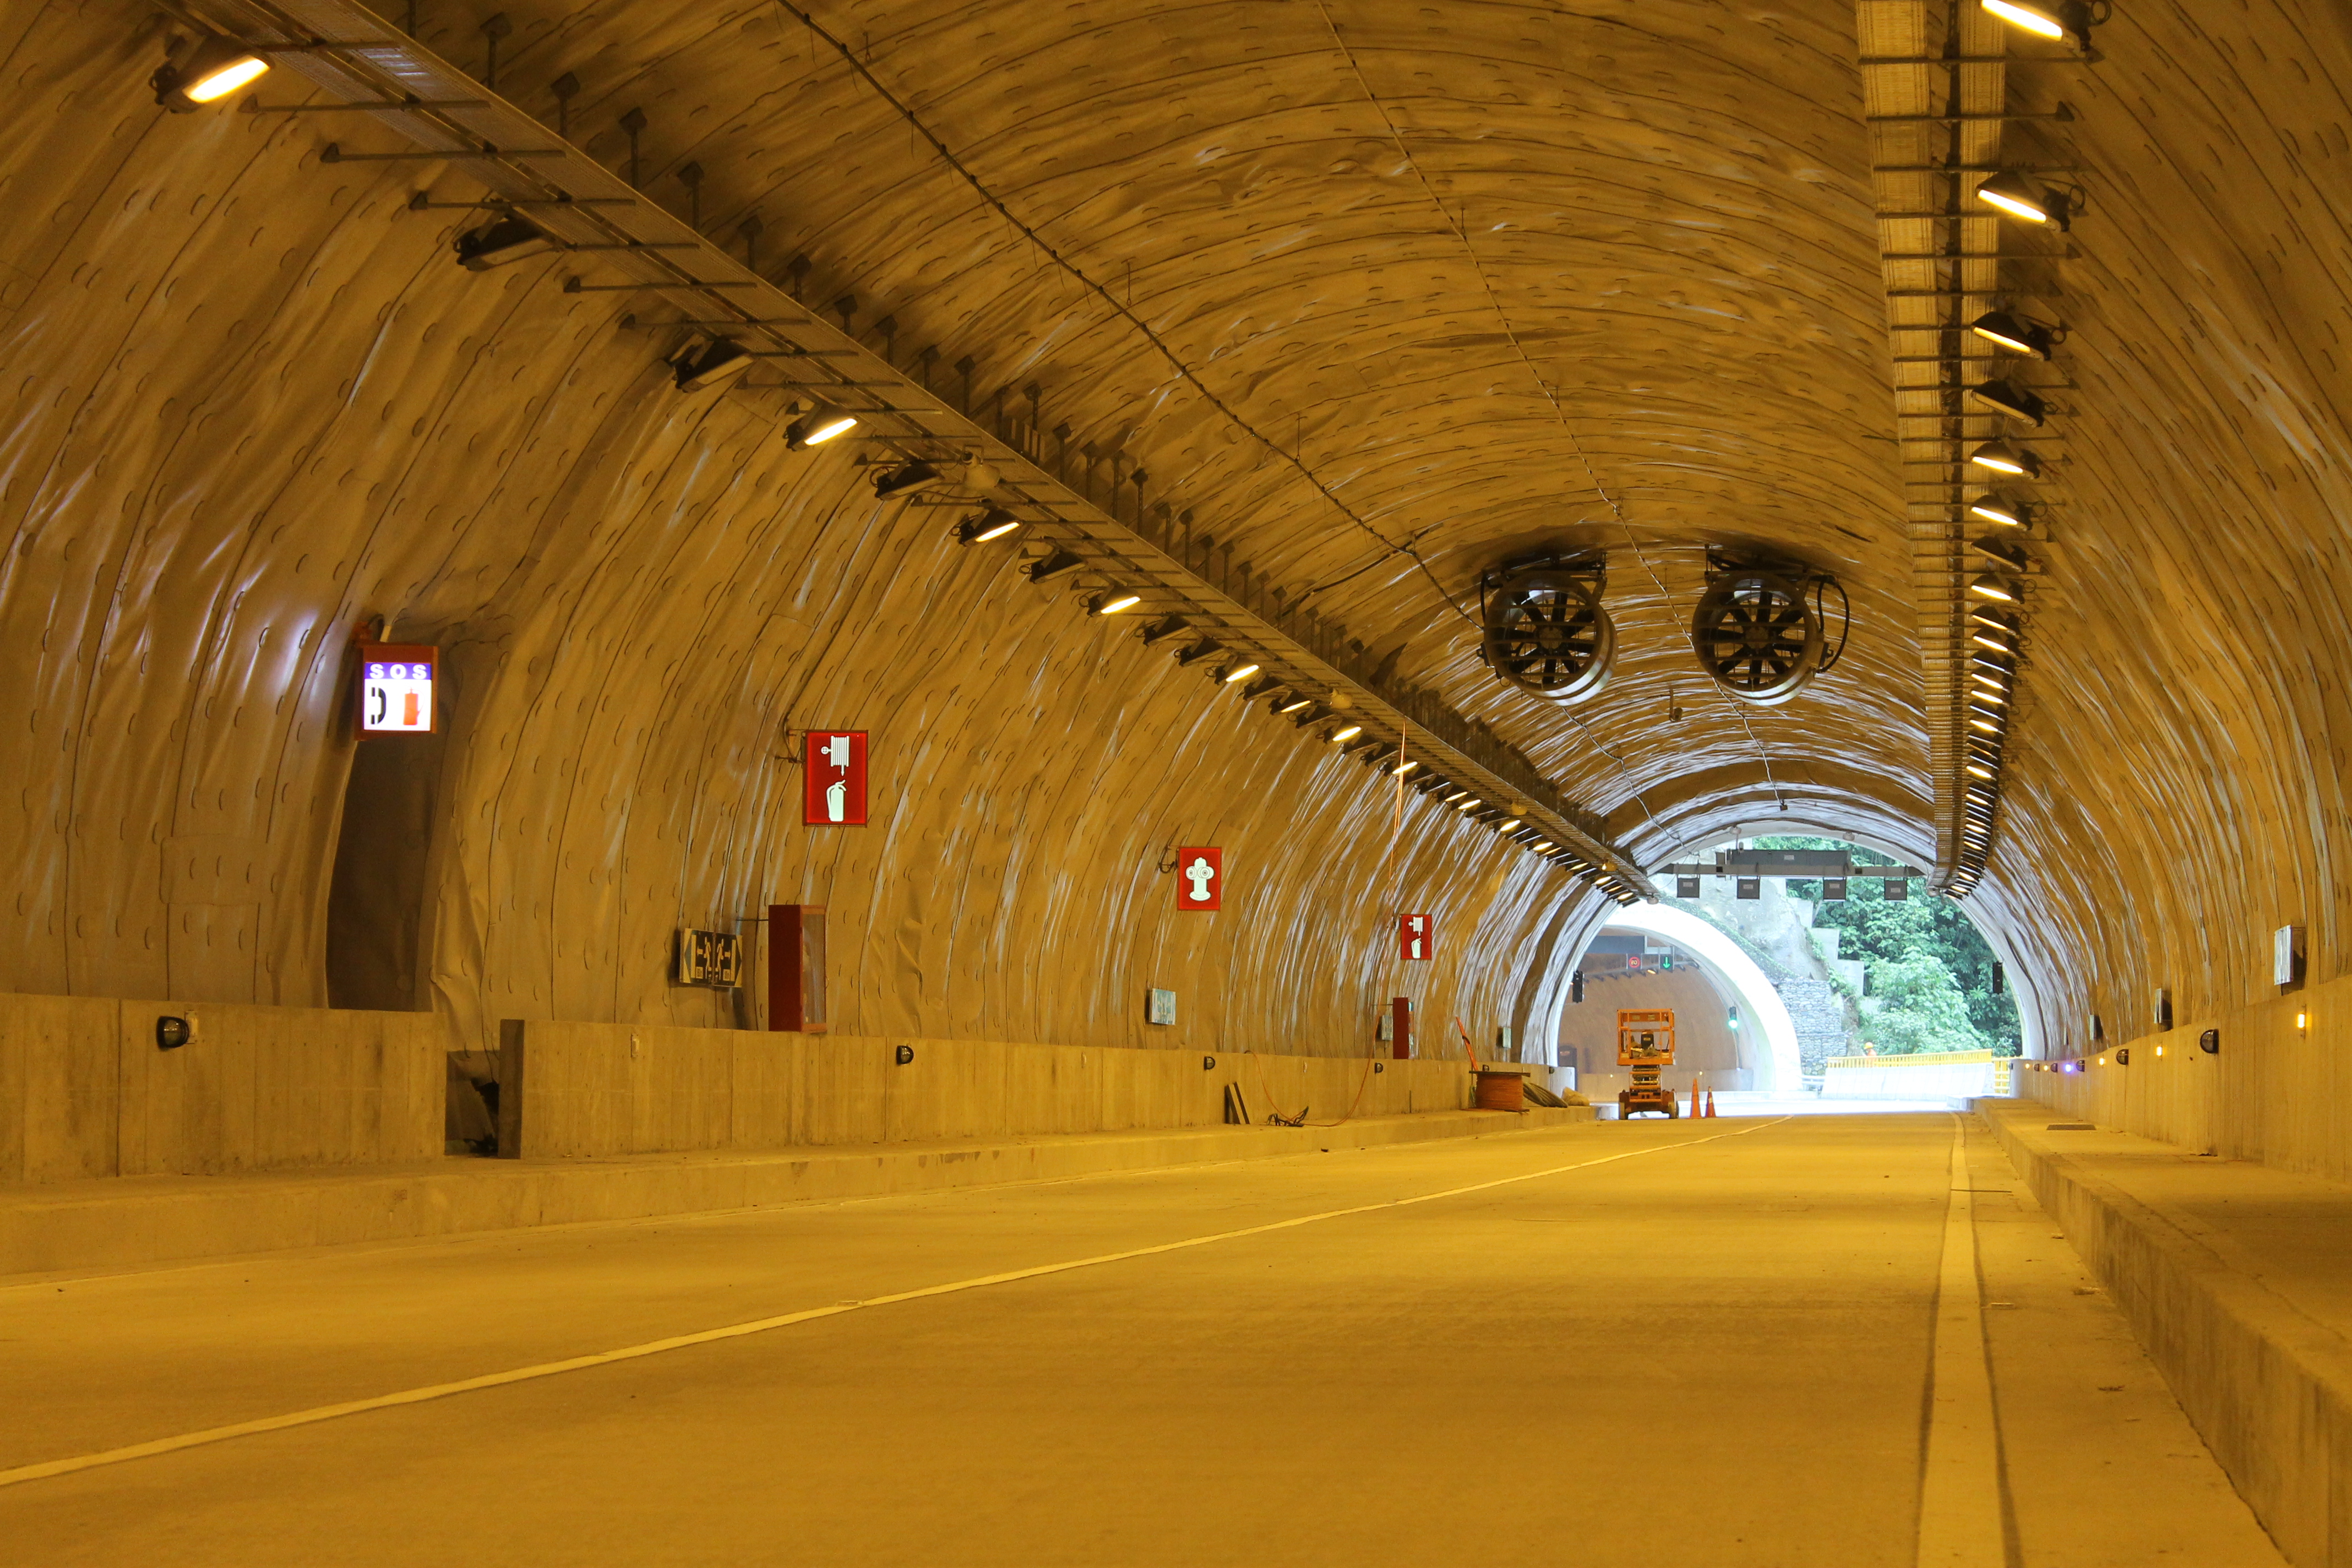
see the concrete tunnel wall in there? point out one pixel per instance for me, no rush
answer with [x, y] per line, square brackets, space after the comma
[251, 403]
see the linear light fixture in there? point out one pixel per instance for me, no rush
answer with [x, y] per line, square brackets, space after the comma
[505, 240]
[994, 522]
[1341, 737]
[1243, 673]
[2004, 458]
[712, 364]
[1990, 585]
[2006, 330]
[2016, 196]
[2045, 18]
[1294, 705]
[2003, 551]
[2003, 396]
[204, 69]
[822, 422]
[1994, 507]
[1116, 603]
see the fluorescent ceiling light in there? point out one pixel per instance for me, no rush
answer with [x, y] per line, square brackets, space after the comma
[2019, 336]
[1985, 585]
[208, 69]
[1114, 604]
[2008, 397]
[2002, 457]
[1997, 508]
[2019, 197]
[821, 423]
[1243, 673]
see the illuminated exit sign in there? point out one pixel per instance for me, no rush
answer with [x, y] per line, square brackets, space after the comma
[396, 689]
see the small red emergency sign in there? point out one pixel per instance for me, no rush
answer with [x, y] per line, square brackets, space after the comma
[834, 792]
[1416, 937]
[1200, 878]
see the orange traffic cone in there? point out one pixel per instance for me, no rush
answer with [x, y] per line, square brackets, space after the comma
[1711, 1103]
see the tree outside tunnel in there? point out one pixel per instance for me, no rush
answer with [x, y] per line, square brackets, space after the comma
[1926, 973]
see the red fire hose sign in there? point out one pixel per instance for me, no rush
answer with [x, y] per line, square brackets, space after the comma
[1417, 938]
[834, 793]
[1199, 878]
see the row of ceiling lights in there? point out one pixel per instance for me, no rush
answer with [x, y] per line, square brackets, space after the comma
[1995, 629]
[208, 69]
[1328, 716]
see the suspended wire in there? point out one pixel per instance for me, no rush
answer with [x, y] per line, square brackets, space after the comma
[1118, 308]
[1550, 396]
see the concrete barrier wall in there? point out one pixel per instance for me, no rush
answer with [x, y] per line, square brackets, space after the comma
[85, 1092]
[1941, 1074]
[2274, 1094]
[574, 1090]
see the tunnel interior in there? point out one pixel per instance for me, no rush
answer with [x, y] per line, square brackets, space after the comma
[919, 735]
[1312, 347]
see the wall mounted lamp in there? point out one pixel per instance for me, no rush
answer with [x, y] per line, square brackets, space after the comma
[2002, 457]
[820, 424]
[994, 522]
[203, 69]
[710, 364]
[502, 241]
[2014, 333]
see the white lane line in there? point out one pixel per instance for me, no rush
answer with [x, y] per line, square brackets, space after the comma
[1960, 1483]
[66, 1467]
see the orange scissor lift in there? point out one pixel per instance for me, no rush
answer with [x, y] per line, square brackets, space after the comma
[1645, 1042]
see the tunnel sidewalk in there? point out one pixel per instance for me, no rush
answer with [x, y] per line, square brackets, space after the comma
[2238, 1279]
[131, 1222]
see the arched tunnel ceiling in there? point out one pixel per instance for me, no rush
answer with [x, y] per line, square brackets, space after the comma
[1476, 279]
[1347, 278]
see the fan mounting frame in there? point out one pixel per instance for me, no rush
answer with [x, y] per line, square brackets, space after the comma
[1543, 629]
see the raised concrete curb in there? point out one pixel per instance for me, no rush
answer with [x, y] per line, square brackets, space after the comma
[128, 1222]
[2251, 1354]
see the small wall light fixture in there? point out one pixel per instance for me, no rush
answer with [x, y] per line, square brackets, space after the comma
[2003, 396]
[2047, 18]
[1994, 507]
[996, 523]
[503, 241]
[2017, 335]
[821, 423]
[203, 69]
[2004, 458]
[2016, 196]
[712, 364]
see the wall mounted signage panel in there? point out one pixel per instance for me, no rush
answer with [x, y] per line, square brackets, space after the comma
[711, 958]
[1201, 878]
[398, 683]
[1417, 938]
[835, 793]
[1161, 1007]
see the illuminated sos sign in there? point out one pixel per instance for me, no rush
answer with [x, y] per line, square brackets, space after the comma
[396, 689]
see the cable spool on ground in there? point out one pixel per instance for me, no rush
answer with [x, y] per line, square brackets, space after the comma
[1757, 637]
[1547, 633]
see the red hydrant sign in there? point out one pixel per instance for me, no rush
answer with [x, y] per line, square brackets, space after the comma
[1417, 938]
[1201, 878]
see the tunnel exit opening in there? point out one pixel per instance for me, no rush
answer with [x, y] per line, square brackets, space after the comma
[1812, 964]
